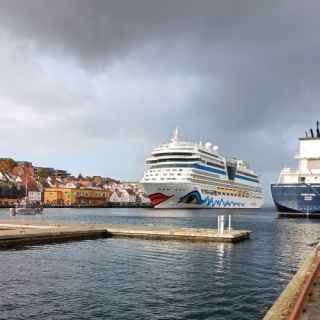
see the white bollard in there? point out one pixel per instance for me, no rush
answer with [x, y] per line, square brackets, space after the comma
[222, 224]
[230, 223]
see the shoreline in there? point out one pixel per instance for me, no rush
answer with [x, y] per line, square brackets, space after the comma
[84, 206]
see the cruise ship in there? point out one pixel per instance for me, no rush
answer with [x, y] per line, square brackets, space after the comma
[298, 191]
[183, 174]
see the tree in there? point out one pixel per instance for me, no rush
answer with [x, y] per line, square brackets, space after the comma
[7, 164]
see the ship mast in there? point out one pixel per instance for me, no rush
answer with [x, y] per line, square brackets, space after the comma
[26, 197]
[175, 137]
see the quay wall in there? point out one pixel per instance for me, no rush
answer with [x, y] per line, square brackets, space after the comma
[289, 304]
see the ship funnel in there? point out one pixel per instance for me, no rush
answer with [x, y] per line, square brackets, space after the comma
[311, 132]
[306, 134]
[318, 131]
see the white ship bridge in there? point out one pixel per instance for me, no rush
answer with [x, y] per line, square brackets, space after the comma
[308, 163]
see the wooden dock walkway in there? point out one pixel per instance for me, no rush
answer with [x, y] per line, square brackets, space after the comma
[24, 232]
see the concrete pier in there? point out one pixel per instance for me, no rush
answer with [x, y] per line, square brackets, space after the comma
[299, 215]
[311, 307]
[300, 299]
[25, 232]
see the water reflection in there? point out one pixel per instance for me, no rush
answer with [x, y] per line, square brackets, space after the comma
[139, 279]
[293, 238]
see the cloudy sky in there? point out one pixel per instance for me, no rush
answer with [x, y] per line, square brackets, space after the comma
[92, 86]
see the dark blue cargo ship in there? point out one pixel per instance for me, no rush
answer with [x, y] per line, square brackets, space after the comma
[297, 192]
[297, 198]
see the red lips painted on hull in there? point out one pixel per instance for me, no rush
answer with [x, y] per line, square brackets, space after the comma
[157, 198]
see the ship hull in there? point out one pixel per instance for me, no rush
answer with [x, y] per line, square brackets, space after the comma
[297, 198]
[190, 196]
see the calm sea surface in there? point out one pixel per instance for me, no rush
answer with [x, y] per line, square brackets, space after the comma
[143, 279]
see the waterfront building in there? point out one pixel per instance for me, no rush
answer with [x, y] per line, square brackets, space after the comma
[34, 196]
[58, 188]
[10, 192]
[142, 198]
[115, 197]
[120, 196]
[2, 177]
[75, 196]
[56, 196]
[97, 180]
[94, 196]
[7, 164]
[45, 172]
[23, 168]
[132, 195]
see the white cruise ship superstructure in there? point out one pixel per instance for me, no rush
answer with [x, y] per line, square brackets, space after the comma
[183, 174]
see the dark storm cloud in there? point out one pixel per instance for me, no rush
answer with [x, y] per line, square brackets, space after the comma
[98, 30]
[244, 73]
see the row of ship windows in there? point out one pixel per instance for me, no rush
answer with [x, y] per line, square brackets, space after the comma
[167, 189]
[234, 194]
[209, 154]
[173, 160]
[204, 178]
[165, 154]
[216, 193]
[168, 170]
[159, 172]
[154, 179]
[167, 165]
[163, 174]
[209, 177]
[252, 191]
[214, 179]
[217, 163]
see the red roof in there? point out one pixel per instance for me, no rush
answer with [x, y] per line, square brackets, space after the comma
[32, 183]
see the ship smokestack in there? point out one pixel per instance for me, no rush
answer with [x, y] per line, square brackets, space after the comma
[306, 134]
[311, 131]
[318, 131]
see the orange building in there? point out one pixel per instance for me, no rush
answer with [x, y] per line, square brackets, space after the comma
[54, 196]
[92, 196]
[71, 196]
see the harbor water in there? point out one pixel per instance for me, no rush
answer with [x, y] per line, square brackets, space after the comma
[149, 279]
